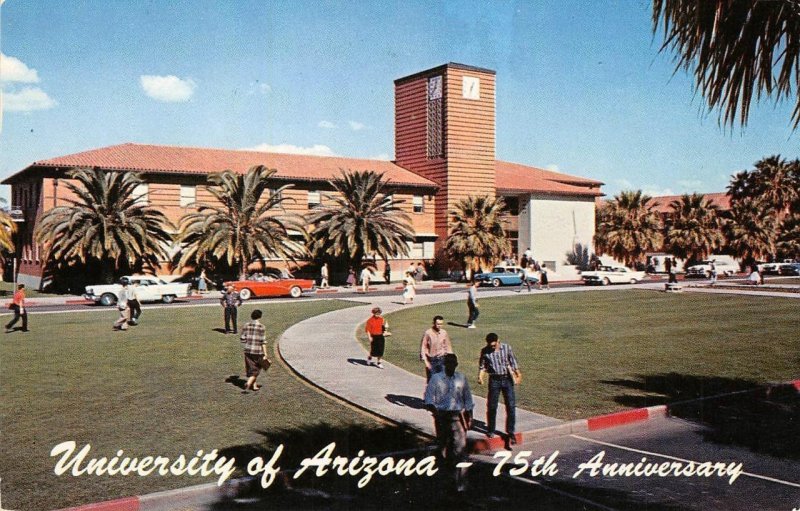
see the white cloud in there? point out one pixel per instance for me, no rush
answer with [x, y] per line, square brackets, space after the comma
[169, 89]
[315, 150]
[259, 88]
[14, 70]
[27, 100]
[690, 184]
[624, 184]
[356, 126]
[552, 167]
[328, 125]
[655, 191]
[382, 157]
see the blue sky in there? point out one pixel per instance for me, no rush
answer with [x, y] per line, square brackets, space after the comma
[581, 86]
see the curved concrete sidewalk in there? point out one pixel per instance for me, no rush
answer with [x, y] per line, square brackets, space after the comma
[325, 351]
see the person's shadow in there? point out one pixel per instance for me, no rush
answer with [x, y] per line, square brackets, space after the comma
[236, 381]
[357, 362]
[220, 330]
[406, 401]
[462, 325]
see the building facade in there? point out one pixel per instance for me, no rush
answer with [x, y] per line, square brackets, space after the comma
[444, 152]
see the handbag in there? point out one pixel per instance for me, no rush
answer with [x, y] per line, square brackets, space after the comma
[265, 363]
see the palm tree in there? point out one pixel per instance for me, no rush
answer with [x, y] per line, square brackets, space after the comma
[627, 228]
[477, 236]
[751, 232]
[7, 230]
[695, 228]
[106, 223]
[788, 242]
[241, 226]
[733, 48]
[359, 220]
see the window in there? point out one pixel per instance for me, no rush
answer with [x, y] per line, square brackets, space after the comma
[512, 205]
[188, 195]
[419, 203]
[140, 193]
[314, 199]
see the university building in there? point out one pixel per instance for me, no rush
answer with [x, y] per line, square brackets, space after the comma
[444, 152]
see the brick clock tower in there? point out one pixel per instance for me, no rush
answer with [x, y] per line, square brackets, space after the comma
[445, 131]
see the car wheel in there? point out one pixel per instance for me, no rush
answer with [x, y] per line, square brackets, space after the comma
[606, 281]
[496, 282]
[708, 274]
[168, 298]
[295, 292]
[245, 294]
[108, 299]
[634, 281]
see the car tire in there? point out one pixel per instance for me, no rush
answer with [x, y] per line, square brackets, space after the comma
[108, 299]
[295, 292]
[634, 281]
[496, 283]
[245, 294]
[606, 281]
[708, 274]
[168, 298]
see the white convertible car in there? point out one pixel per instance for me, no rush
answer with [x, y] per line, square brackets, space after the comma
[606, 275]
[151, 289]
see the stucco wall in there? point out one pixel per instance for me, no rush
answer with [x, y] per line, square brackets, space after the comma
[553, 225]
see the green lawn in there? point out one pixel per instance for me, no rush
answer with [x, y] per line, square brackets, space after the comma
[158, 389]
[588, 353]
[8, 288]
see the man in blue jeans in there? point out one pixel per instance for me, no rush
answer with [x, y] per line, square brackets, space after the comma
[472, 303]
[497, 361]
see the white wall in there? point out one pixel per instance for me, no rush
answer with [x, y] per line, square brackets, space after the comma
[553, 225]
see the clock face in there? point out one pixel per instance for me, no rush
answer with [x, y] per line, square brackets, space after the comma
[435, 87]
[471, 87]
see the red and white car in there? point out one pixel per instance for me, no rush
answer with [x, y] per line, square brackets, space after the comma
[259, 286]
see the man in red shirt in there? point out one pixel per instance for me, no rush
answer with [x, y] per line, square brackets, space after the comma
[376, 329]
[18, 306]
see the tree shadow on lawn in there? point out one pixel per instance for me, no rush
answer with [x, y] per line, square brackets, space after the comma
[335, 492]
[735, 411]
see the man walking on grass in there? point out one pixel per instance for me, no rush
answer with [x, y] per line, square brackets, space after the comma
[472, 303]
[231, 301]
[254, 338]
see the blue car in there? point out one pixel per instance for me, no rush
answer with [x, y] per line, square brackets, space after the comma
[504, 276]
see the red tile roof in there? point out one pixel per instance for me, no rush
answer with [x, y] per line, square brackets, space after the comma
[510, 177]
[513, 177]
[192, 160]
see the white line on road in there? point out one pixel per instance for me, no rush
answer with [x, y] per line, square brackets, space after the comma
[631, 449]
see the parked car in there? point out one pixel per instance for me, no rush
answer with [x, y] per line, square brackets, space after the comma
[151, 289]
[257, 286]
[703, 268]
[774, 268]
[790, 269]
[504, 275]
[606, 275]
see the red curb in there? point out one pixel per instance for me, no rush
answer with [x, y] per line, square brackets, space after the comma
[324, 291]
[124, 504]
[440, 286]
[796, 384]
[617, 419]
[87, 302]
[195, 297]
[495, 443]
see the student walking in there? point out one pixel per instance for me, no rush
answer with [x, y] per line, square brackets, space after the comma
[20, 311]
[497, 361]
[449, 399]
[544, 282]
[409, 289]
[366, 275]
[202, 283]
[472, 304]
[254, 339]
[323, 276]
[134, 304]
[122, 306]
[434, 346]
[230, 302]
[377, 330]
